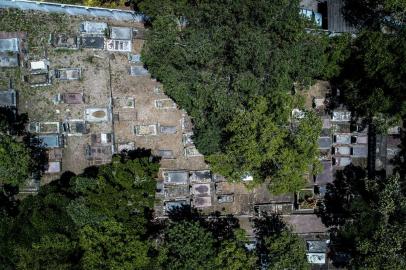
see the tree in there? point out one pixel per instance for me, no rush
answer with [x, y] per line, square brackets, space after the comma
[277, 246]
[286, 251]
[260, 146]
[53, 251]
[90, 221]
[187, 246]
[111, 246]
[15, 161]
[367, 220]
[373, 14]
[233, 255]
[232, 65]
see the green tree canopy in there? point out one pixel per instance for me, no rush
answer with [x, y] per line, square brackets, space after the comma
[233, 66]
[15, 161]
[187, 245]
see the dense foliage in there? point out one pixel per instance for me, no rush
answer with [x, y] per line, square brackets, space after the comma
[102, 220]
[233, 65]
[372, 79]
[15, 161]
[367, 220]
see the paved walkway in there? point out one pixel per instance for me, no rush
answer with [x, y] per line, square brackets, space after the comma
[114, 14]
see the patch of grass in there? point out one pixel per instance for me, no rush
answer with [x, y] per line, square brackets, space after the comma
[38, 25]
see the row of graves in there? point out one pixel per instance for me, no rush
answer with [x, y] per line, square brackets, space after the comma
[101, 36]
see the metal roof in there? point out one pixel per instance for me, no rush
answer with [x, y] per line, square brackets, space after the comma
[49, 141]
[360, 150]
[123, 33]
[325, 142]
[92, 42]
[8, 59]
[9, 45]
[138, 71]
[8, 98]
[326, 176]
[316, 246]
[335, 18]
[176, 177]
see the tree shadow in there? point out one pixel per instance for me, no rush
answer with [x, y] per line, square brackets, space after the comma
[138, 153]
[264, 227]
[39, 154]
[221, 227]
[12, 122]
[333, 211]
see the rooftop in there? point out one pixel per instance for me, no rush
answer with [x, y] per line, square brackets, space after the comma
[68, 73]
[95, 28]
[92, 42]
[50, 141]
[9, 45]
[335, 17]
[123, 33]
[8, 59]
[176, 177]
[8, 98]
[326, 176]
[306, 223]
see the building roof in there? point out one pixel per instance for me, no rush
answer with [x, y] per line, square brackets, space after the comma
[167, 129]
[9, 45]
[123, 33]
[49, 140]
[116, 45]
[176, 192]
[39, 65]
[274, 208]
[305, 224]
[342, 138]
[317, 246]
[163, 153]
[201, 202]
[68, 73]
[53, 167]
[8, 59]
[94, 28]
[92, 42]
[202, 190]
[360, 150]
[138, 71]
[325, 142]
[200, 176]
[326, 176]
[342, 116]
[316, 258]
[176, 177]
[341, 161]
[8, 98]
[335, 18]
[64, 41]
[342, 150]
[72, 98]
[134, 58]
[169, 206]
[97, 114]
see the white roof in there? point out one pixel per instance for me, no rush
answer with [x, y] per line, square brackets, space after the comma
[344, 116]
[54, 167]
[9, 45]
[93, 27]
[316, 258]
[247, 177]
[38, 65]
[123, 33]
